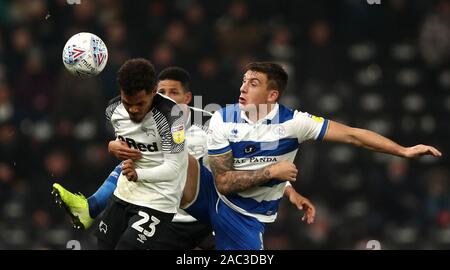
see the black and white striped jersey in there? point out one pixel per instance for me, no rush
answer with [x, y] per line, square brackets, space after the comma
[160, 137]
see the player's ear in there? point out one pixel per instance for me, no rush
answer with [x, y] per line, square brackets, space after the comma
[188, 97]
[154, 90]
[273, 96]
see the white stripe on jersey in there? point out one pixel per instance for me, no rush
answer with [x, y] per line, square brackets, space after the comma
[264, 193]
[262, 218]
[256, 163]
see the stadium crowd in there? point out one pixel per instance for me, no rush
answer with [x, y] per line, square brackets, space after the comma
[382, 67]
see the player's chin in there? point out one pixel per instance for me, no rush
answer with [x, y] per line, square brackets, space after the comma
[243, 106]
[136, 119]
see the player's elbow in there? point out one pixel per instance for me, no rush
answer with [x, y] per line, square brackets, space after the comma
[354, 136]
[222, 186]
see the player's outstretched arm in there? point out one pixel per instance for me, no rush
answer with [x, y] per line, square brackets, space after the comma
[373, 141]
[229, 180]
[302, 204]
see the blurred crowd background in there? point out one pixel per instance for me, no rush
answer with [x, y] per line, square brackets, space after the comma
[382, 67]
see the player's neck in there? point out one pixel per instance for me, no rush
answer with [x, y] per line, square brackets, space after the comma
[259, 112]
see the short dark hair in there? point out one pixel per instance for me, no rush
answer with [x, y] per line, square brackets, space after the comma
[135, 75]
[276, 76]
[177, 74]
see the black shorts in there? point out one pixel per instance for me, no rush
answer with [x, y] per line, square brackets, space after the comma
[127, 226]
[188, 235]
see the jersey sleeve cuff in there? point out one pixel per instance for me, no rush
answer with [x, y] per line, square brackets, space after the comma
[220, 151]
[323, 130]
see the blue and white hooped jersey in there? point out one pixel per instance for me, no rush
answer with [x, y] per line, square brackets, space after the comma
[272, 139]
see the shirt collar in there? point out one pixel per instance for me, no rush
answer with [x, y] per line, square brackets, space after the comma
[269, 116]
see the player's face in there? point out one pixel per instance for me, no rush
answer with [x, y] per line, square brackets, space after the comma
[175, 91]
[137, 105]
[254, 90]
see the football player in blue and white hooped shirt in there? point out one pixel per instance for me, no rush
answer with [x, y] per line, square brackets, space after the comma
[252, 146]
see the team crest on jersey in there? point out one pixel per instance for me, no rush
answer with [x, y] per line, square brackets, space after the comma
[178, 134]
[234, 133]
[250, 149]
[149, 131]
[316, 118]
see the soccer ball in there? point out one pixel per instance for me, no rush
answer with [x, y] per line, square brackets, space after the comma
[85, 55]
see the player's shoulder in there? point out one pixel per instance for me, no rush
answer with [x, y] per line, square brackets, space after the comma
[304, 117]
[112, 106]
[163, 104]
[230, 113]
[165, 108]
[285, 113]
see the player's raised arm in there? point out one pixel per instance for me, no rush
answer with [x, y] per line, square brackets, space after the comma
[373, 141]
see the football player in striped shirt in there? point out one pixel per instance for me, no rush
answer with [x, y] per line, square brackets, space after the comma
[185, 231]
[252, 145]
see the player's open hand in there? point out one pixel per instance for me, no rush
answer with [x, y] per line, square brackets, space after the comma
[121, 150]
[421, 150]
[129, 170]
[303, 204]
[284, 170]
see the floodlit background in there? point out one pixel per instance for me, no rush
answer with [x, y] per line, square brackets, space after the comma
[383, 67]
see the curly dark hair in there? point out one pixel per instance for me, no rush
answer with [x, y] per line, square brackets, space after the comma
[136, 75]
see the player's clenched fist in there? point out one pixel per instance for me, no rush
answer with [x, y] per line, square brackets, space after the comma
[129, 170]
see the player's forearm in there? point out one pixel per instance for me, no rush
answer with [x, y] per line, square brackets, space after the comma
[229, 180]
[376, 142]
[236, 181]
[169, 170]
